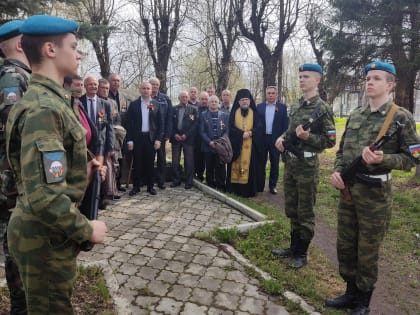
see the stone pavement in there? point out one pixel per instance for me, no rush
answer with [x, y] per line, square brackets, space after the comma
[154, 265]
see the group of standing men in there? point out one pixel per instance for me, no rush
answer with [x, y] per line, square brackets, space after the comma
[46, 144]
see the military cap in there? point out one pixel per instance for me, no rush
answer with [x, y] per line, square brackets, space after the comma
[10, 29]
[311, 67]
[379, 65]
[48, 25]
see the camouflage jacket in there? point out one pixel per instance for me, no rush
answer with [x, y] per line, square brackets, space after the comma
[46, 148]
[321, 133]
[14, 78]
[361, 130]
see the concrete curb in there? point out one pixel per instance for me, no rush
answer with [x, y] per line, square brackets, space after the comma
[122, 305]
[246, 227]
[249, 212]
[287, 294]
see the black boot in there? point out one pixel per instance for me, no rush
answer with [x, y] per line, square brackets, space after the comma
[362, 303]
[300, 259]
[347, 300]
[294, 239]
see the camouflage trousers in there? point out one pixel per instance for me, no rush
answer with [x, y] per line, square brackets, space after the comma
[301, 179]
[362, 223]
[14, 284]
[47, 264]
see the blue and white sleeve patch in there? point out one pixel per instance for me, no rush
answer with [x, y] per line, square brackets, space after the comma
[55, 166]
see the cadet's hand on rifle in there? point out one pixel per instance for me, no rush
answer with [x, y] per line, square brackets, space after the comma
[372, 157]
[279, 144]
[92, 166]
[301, 133]
[99, 230]
[337, 181]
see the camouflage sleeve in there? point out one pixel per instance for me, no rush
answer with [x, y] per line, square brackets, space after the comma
[47, 189]
[326, 137]
[409, 151]
[339, 163]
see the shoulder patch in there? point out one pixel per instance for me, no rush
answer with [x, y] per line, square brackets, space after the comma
[11, 94]
[415, 150]
[55, 166]
[331, 134]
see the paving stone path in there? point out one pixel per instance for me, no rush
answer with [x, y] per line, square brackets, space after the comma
[156, 266]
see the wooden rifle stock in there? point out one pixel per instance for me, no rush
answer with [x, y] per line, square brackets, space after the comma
[92, 213]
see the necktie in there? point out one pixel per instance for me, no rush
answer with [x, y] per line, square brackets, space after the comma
[92, 113]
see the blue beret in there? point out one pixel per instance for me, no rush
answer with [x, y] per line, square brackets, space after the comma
[379, 65]
[10, 29]
[48, 25]
[311, 67]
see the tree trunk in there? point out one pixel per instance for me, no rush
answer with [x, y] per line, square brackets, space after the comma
[223, 75]
[404, 92]
[269, 71]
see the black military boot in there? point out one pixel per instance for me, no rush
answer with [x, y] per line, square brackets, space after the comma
[347, 300]
[362, 303]
[294, 239]
[300, 258]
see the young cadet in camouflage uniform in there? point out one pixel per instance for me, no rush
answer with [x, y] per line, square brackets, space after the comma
[14, 78]
[363, 221]
[46, 149]
[301, 175]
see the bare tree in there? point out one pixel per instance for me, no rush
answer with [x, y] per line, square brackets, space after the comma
[268, 19]
[97, 17]
[224, 24]
[160, 25]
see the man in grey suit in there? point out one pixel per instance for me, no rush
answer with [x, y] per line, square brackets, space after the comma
[99, 112]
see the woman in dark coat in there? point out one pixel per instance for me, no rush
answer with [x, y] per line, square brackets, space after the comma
[245, 134]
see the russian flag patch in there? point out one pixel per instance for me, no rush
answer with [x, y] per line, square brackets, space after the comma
[331, 134]
[415, 150]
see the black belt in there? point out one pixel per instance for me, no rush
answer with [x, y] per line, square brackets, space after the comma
[145, 133]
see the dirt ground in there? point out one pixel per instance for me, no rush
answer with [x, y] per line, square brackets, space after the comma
[391, 289]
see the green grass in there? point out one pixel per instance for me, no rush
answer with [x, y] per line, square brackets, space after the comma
[319, 279]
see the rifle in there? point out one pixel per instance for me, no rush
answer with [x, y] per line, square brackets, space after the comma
[349, 173]
[91, 212]
[290, 143]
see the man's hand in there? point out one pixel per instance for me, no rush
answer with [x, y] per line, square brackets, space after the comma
[337, 181]
[184, 137]
[99, 231]
[375, 157]
[130, 145]
[94, 165]
[247, 134]
[212, 144]
[178, 137]
[279, 144]
[156, 146]
[301, 133]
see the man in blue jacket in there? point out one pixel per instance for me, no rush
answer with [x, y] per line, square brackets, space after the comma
[273, 116]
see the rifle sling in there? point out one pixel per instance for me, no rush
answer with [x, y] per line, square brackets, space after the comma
[387, 121]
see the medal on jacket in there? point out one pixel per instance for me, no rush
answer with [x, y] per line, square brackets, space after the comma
[101, 116]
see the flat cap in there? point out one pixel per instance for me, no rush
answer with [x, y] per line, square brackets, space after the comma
[48, 25]
[380, 65]
[10, 29]
[311, 67]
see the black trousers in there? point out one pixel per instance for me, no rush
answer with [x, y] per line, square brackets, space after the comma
[188, 150]
[161, 164]
[269, 151]
[144, 160]
[215, 172]
[199, 161]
